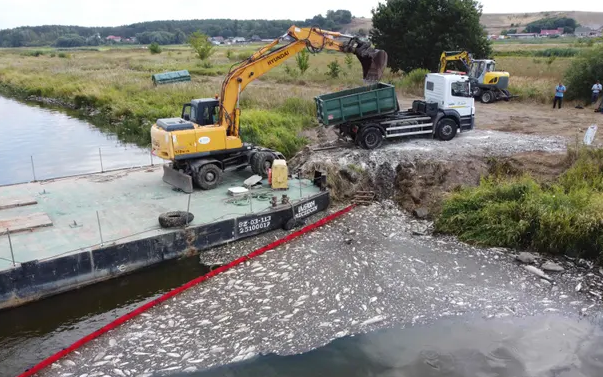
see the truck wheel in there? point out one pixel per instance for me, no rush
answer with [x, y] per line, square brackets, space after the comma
[371, 138]
[208, 177]
[487, 96]
[446, 129]
[261, 163]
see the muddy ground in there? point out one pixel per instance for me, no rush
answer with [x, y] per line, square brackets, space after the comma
[533, 119]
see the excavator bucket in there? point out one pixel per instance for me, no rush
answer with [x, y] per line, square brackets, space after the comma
[373, 62]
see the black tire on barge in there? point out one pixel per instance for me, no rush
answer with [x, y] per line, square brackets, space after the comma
[175, 219]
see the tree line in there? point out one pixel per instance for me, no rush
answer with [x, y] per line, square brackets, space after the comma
[163, 32]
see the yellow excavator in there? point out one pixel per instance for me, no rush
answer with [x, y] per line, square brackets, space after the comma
[487, 84]
[205, 141]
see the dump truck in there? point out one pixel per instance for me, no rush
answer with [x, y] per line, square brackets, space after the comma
[370, 114]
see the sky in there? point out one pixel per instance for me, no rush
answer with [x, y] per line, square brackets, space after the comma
[121, 12]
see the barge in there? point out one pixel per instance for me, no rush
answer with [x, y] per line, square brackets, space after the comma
[63, 234]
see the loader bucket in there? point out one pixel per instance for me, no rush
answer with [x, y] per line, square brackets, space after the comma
[373, 62]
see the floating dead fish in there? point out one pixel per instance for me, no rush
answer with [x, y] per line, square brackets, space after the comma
[538, 272]
[370, 321]
[578, 287]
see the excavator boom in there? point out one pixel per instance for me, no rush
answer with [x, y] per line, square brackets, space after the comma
[373, 64]
[206, 141]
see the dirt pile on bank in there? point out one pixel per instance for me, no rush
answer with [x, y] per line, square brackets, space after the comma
[417, 172]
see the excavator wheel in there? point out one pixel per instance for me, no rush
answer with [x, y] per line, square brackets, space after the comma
[487, 96]
[208, 176]
[261, 162]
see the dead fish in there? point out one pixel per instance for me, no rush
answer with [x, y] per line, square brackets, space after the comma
[578, 287]
[119, 372]
[69, 363]
[370, 321]
[537, 272]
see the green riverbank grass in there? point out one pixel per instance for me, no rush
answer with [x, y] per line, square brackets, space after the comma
[565, 217]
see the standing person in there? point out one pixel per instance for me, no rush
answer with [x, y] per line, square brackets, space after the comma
[559, 90]
[596, 90]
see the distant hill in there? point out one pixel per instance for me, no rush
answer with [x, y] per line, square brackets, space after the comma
[497, 22]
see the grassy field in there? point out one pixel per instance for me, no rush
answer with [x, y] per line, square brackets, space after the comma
[117, 82]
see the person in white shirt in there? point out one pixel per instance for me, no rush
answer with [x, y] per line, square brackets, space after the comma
[596, 90]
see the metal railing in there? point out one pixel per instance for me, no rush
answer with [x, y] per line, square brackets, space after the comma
[10, 247]
[117, 163]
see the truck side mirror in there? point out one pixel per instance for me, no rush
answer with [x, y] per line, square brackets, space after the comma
[187, 117]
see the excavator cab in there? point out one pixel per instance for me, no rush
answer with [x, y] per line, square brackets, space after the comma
[203, 112]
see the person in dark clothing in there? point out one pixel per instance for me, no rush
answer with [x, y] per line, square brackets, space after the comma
[559, 90]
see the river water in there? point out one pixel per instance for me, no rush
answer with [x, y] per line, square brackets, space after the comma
[59, 145]
[540, 346]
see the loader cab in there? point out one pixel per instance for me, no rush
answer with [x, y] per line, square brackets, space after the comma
[479, 69]
[203, 112]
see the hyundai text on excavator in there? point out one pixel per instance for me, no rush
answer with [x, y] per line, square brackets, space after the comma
[206, 140]
[487, 84]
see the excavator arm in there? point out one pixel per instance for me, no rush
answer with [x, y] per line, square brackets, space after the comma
[450, 56]
[373, 63]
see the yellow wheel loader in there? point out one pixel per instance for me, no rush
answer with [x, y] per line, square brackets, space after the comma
[488, 84]
[205, 141]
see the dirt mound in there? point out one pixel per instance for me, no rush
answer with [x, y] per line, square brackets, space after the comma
[418, 172]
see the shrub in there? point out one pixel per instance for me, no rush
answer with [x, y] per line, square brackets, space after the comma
[564, 217]
[273, 130]
[244, 55]
[64, 55]
[292, 72]
[349, 60]
[154, 48]
[303, 61]
[584, 71]
[201, 44]
[229, 54]
[35, 53]
[334, 69]
[416, 77]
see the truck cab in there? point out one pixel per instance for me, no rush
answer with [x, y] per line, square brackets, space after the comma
[453, 95]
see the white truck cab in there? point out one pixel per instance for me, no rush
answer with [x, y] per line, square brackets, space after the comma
[451, 92]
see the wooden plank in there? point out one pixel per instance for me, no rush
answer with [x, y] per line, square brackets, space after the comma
[6, 203]
[24, 223]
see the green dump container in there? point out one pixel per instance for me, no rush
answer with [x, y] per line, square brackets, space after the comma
[171, 77]
[356, 104]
